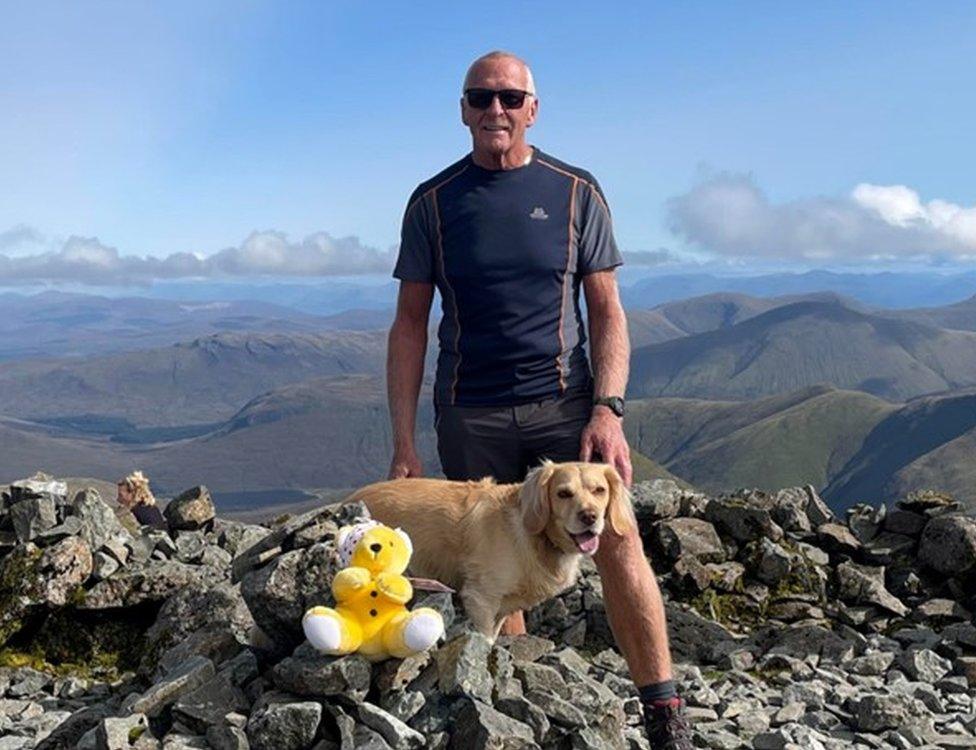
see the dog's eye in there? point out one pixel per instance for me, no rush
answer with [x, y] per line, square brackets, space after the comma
[599, 490]
[564, 493]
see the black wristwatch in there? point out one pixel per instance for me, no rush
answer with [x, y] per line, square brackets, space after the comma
[615, 403]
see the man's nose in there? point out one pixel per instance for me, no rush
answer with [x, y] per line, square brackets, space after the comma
[496, 108]
[587, 517]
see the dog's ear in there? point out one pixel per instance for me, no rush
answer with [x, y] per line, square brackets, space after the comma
[619, 510]
[534, 497]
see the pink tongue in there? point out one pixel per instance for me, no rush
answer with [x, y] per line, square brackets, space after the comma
[587, 542]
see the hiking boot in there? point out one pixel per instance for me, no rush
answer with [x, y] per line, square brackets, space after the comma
[666, 725]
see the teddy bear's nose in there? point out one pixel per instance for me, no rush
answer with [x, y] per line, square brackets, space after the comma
[376, 547]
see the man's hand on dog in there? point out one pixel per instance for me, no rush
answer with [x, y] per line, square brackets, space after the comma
[603, 439]
[406, 464]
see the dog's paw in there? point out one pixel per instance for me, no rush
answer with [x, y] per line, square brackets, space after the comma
[323, 629]
[423, 629]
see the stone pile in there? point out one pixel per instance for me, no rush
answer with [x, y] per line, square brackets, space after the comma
[790, 628]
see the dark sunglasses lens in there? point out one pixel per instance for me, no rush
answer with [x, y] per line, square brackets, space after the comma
[480, 98]
[511, 99]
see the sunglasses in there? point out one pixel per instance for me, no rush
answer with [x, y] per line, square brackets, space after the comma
[508, 98]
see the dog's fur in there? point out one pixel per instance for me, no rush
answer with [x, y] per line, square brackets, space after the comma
[505, 547]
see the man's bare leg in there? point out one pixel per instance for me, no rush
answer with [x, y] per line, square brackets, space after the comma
[634, 607]
[514, 624]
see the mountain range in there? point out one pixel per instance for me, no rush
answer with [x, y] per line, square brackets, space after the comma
[728, 390]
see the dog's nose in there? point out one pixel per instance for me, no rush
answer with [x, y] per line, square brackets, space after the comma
[376, 547]
[587, 517]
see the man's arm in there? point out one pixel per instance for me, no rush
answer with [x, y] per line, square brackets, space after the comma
[405, 353]
[610, 355]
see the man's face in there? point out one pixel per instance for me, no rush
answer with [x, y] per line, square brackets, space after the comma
[497, 130]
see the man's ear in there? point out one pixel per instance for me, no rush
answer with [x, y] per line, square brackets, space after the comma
[620, 512]
[534, 112]
[534, 497]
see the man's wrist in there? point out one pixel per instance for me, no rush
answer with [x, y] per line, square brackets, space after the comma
[613, 404]
[603, 411]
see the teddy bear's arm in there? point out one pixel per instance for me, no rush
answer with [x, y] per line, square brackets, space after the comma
[394, 587]
[348, 581]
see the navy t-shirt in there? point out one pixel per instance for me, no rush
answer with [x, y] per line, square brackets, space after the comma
[507, 250]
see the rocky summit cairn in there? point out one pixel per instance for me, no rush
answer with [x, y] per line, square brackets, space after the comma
[790, 627]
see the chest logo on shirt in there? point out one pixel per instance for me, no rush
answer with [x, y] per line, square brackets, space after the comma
[539, 213]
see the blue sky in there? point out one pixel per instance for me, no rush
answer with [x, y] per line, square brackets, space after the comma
[735, 133]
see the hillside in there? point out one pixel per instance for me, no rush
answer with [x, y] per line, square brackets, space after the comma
[928, 443]
[801, 344]
[198, 382]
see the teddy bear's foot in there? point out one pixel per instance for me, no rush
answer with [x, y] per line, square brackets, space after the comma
[423, 629]
[413, 632]
[329, 633]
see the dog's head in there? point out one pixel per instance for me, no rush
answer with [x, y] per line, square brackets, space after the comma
[572, 502]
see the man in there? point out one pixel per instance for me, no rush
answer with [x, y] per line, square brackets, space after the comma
[508, 235]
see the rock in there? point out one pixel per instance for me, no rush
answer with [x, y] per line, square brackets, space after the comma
[771, 563]
[396, 733]
[33, 516]
[688, 574]
[655, 500]
[926, 501]
[948, 545]
[789, 510]
[873, 713]
[836, 538]
[284, 726]
[864, 584]
[153, 582]
[923, 664]
[865, 521]
[307, 672]
[692, 537]
[191, 509]
[188, 677]
[905, 522]
[888, 547]
[62, 569]
[480, 726]
[742, 519]
[98, 521]
[280, 593]
[120, 733]
[218, 609]
[462, 667]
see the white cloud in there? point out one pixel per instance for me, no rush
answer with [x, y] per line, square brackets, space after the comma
[85, 260]
[729, 215]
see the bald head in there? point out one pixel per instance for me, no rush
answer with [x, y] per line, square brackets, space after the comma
[514, 65]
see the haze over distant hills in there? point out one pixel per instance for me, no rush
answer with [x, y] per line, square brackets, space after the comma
[727, 390]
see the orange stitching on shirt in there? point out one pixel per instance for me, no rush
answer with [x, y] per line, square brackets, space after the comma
[433, 189]
[447, 284]
[590, 185]
[562, 300]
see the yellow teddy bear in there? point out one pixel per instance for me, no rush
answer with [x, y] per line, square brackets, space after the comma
[371, 593]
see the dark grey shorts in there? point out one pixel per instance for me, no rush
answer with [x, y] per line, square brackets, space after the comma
[506, 441]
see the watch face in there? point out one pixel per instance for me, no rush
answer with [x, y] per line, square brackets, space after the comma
[617, 404]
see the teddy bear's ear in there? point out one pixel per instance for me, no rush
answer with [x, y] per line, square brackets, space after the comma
[406, 539]
[343, 534]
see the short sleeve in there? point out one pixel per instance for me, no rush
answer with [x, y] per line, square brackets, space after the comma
[597, 247]
[415, 261]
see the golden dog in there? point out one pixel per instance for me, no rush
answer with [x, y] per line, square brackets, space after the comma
[504, 547]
